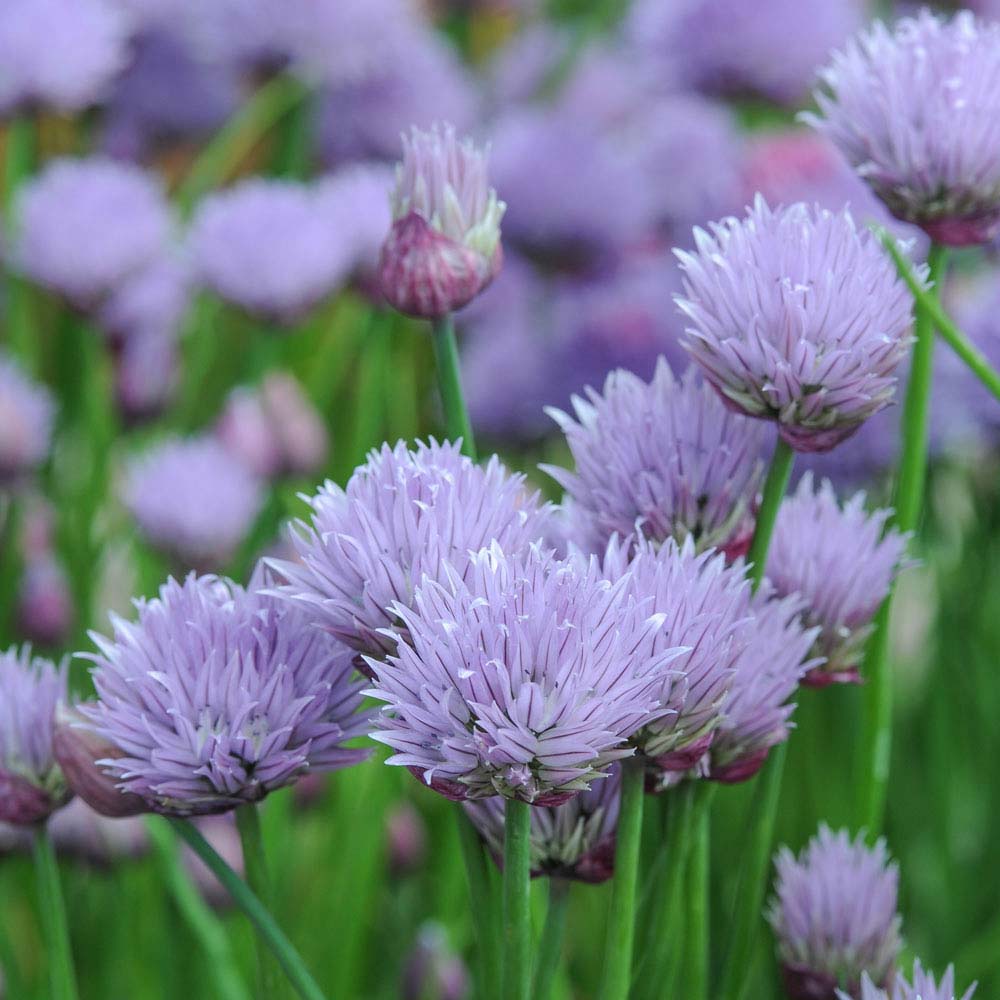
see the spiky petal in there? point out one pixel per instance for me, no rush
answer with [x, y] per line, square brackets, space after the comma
[923, 987]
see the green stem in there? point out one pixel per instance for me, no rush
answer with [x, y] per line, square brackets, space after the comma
[483, 905]
[774, 492]
[62, 978]
[268, 930]
[551, 946]
[697, 923]
[876, 733]
[200, 919]
[929, 302]
[516, 973]
[456, 414]
[621, 917]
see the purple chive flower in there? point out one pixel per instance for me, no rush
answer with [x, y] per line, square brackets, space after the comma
[444, 245]
[146, 374]
[31, 784]
[45, 602]
[433, 969]
[915, 111]
[525, 678]
[664, 458]
[834, 915]
[403, 516]
[84, 226]
[192, 499]
[27, 412]
[153, 300]
[216, 696]
[575, 840]
[766, 675]
[842, 561]
[796, 316]
[923, 987]
[265, 245]
[59, 54]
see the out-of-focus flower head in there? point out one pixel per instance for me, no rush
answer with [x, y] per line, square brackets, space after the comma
[60, 54]
[663, 458]
[31, 783]
[84, 226]
[523, 678]
[192, 499]
[796, 316]
[27, 413]
[765, 676]
[266, 245]
[444, 245]
[433, 970]
[834, 915]
[842, 561]
[403, 516]
[248, 699]
[915, 109]
[153, 300]
[274, 429]
[146, 374]
[575, 840]
[45, 602]
[923, 987]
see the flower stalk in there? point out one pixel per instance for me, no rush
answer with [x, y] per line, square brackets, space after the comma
[551, 946]
[775, 485]
[483, 905]
[516, 973]
[456, 414]
[62, 977]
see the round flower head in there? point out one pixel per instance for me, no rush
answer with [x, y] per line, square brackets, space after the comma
[27, 412]
[151, 302]
[797, 316]
[402, 516]
[59, 54]
[31, 784]
[575, 840]
[664, 458]
[444, 245]
[216, 696]
[923, 987]
[192, 499]
[766, 674]
[842, 561]
[146, 373]
[834, 915]
[83, 226]
[525, 679]
[267, 246]
[916, 111]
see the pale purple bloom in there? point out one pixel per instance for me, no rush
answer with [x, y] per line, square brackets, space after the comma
[31, 784]
[796, 316]
[84, 226]
[923, 987]
[45, 602]
[842, 561]
[444, 245]
[834, 915]
[266, 246]
[153, 300]
[574, 840]
[403, 516]
[60, 54]
[192, 499]
[27, 414]
[217, 695]
[664, 458]
[146, 373]
[915, 110]
[525, 677]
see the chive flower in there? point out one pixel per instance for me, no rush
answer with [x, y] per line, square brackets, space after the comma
[923, 987]
[27, 416]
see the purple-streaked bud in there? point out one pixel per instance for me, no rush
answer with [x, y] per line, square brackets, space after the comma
[444, 245]
[433, 971]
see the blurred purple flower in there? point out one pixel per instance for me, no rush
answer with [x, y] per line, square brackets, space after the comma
[842, 561]
[575, 840]
[433, 971]
[664, 458]
[45, 602]
[915, 110]
[153, 300]
[192, 499]
[84, 226]
[923, 987]
[834, 915]
[406, 839]
[146, 373]
[27, 413]
[266, 246]
[796, 316]
[248, 699]
[60, 54]
[403, 516]
[524, 679]
[31, 784]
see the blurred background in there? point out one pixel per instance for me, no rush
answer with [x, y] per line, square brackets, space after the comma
[194, 197]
